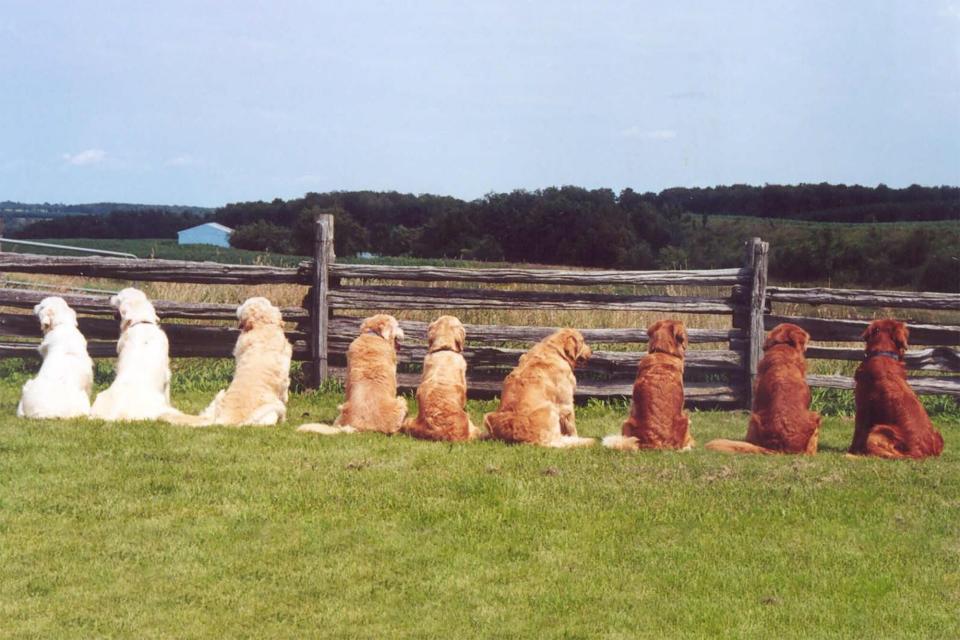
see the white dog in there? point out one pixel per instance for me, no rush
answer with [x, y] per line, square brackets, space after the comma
[258, 393]
[141, 390]
[62, 386]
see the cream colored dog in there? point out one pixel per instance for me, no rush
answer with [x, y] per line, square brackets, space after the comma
[61, 388]
[258, 393]
[372, 403]
[141, 390]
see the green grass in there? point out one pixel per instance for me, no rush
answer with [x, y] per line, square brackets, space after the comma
[151, 531]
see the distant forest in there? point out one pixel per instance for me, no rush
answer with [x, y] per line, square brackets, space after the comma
[676, 228]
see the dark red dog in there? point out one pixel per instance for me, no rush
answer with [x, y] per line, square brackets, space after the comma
[891, 422]
[781, 421]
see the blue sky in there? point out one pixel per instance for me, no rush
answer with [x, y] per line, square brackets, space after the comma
[212, 102]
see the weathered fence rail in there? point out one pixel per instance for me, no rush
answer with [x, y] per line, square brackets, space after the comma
[338, 292]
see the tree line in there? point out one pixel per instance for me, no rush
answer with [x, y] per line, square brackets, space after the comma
[676, 228]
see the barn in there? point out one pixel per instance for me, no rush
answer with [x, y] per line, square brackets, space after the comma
[207, 233]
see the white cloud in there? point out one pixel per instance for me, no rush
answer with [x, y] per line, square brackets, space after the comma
[85, 157]
[648, 134]
[184, 160]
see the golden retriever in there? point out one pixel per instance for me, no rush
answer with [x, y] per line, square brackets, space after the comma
[657, 420]
[371, 403]
[258, 393]
[536, 406]
[141, 390]
[890, 422]
[781, 421]
[442, 394]
[61, 389]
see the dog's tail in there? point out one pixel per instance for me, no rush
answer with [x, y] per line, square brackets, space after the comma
[325, 429]
[185, 419]
[567, 442]
[621, 443]
[737, 446]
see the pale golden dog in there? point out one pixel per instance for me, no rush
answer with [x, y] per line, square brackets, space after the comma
[657, 419]
[258, 393]
[372, 403]
[442, 394]
[536, 405]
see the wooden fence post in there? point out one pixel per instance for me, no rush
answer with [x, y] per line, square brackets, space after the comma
[755, 259]
[323, 257]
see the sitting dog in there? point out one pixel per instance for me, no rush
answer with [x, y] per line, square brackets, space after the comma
[141, 390]
[891, 422]
[781, 421]
[657, 420]
[536, 406]
[61, 388]
[371, 403]
[442, 394]
[258, 393]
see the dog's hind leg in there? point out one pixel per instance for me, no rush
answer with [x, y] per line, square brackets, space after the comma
[883, 442]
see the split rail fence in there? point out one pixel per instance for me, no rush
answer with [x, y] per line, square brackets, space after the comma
[338, 294]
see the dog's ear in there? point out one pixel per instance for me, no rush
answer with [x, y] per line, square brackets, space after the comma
[432, 330]
[680, 335]
[900, 334]
[799, 338]
[397, 332]
[459, 337]
[575, 347]
[652, 329]
[45, 315]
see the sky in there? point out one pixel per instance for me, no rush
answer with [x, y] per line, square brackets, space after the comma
[205, 103]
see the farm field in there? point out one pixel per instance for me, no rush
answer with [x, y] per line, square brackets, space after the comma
[156, 531]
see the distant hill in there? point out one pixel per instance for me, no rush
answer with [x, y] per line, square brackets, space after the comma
[47, 210]
[17, 215]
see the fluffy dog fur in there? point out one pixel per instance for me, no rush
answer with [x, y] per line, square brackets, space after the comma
[891, 422]
[141, 390]
[61, 388]
[781, 421]
[442, 394]
[657, 420]
[536, 405]
[258, 393]
[372, 403]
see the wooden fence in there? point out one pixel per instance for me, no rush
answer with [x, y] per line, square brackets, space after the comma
[338, 293]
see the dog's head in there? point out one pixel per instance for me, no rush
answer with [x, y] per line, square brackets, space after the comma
[53, 312]
[446, 332]
[385, 326]
[133, 307]
[667, 336]
[886, 335]
[571, 345]
[257, 312]
[789, 334]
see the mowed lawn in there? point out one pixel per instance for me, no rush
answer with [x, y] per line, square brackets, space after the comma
[145, 530]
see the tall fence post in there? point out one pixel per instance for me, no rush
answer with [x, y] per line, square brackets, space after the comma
[756, 260]
[323, 257]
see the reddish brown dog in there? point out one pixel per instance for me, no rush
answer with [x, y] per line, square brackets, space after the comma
[657, 420]
[891, 422]
[781, 421]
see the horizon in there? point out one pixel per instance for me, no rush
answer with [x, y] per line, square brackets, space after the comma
[191, 104]
[618, 192]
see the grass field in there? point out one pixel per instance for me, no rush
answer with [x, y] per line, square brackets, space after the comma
[151, 531]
